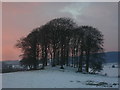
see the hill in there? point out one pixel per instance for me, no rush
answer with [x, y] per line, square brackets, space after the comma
[111, 57]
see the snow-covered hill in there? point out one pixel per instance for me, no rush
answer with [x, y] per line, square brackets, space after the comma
[57, 78]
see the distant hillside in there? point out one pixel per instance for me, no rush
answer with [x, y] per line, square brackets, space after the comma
[10, 62]
[111, 57]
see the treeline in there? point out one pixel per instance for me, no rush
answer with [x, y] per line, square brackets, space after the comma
[65, 43]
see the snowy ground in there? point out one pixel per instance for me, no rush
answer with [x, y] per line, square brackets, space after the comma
[56, 78]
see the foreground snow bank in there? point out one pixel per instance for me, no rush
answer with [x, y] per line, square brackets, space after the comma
[57, 78]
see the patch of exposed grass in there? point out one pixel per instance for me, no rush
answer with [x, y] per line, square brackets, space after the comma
[93, 83]
[78, 81]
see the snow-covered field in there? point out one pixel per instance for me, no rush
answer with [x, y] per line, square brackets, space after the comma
[57, 78]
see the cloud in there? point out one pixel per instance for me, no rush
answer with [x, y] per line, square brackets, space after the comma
[75, 9]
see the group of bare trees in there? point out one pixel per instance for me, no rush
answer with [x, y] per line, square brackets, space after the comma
[63, 42]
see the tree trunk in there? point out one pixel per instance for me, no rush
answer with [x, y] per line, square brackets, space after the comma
[72, 58]
[62, 57]
[80, 62]
[43, 61]
[45, 55]
[54, 56]
[87, 61]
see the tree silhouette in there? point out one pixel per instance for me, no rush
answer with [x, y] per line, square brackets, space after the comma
[59, 40]
[59, 34]
[79, 40]
[93, 40]
[29, 48]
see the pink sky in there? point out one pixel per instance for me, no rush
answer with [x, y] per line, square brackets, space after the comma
[21, 18]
